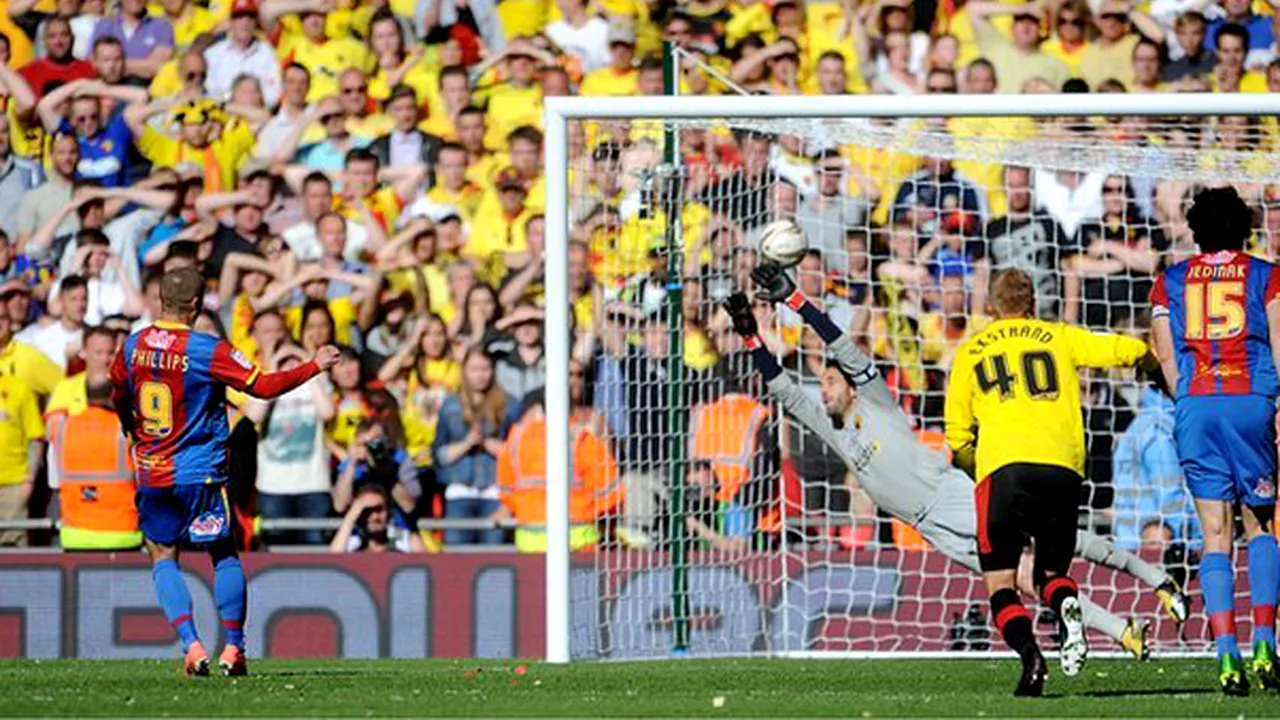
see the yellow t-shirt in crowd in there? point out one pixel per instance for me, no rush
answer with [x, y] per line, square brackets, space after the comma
[466, 199]
[21, 50]
[370, 127]
[494, 232]
[167, 81]
[522, 18]
[348, 414]
[241, 329]
[1071, 57]
[70, 396]
[439, 123]
[344, 316]
[1252, 82]
[384, 204]
[325, 61]
[986, 133]
[424, 80]
[195, 21]
[1100, 62]
[608, 82]
[510, 108]
[220, 161]
[20, 424]
[30, 366]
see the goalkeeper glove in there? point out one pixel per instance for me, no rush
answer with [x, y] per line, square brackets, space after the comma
[773, 282]
[739, 309]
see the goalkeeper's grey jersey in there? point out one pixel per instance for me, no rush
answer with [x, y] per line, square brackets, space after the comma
[900, 473]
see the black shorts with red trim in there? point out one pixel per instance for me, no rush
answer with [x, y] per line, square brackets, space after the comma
[1025, 501]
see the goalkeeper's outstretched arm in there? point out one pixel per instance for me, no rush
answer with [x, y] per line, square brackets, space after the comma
[794, 401]
[854, 364]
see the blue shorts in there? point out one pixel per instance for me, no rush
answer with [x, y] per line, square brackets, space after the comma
[1226, 444]
[198, 514]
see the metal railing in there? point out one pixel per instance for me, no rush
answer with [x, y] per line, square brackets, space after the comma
[299, 524]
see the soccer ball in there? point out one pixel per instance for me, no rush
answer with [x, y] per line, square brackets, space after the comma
[783, 242]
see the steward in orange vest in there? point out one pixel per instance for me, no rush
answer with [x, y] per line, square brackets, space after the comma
[522, 473]
[93, 464]
[733, 435]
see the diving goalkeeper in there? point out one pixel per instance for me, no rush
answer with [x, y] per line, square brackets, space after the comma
[905, 478]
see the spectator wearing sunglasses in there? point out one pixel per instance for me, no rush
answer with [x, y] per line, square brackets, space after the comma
[1070, 39]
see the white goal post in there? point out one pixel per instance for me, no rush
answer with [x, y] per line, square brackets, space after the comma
[782, 115]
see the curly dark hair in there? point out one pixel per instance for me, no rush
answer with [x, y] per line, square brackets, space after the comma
[1220, 220]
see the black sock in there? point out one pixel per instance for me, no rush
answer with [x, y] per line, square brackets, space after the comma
[1013, 621]
[1056, 590]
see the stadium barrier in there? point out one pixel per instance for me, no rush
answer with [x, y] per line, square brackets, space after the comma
[492, 605]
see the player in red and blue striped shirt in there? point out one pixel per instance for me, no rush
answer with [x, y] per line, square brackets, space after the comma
[1216, 326]
[169, 387]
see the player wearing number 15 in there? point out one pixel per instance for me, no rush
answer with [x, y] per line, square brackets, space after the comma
[1013, 405]
[1216, 325]
[169, 387]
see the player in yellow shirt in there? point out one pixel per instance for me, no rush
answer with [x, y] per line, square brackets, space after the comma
[620, 75]
[1013, 405]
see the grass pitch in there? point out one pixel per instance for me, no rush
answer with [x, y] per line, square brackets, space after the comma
[704, 688]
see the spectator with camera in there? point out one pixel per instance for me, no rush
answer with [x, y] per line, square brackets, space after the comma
[373, 524]
[375, 456]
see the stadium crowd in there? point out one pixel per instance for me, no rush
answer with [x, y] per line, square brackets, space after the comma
[370, 174]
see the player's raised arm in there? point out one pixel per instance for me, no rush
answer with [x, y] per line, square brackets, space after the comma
[1104, 350]
[777, 286]
[794, 400]
[230, 366]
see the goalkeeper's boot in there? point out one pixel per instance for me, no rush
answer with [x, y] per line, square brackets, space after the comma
[1075, 648]
[1174, 601]
[1034, 671]
[1231, 676]
[232, 662]
[1134, 639]
[1266, 665]
[197, 662]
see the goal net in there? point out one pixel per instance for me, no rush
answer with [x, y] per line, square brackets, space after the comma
[730, 529]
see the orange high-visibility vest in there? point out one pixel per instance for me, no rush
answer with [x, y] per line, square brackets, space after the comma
[522, 474]
[96, 488]
[723, 433]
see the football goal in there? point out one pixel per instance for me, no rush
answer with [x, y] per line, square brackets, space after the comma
[708, 522]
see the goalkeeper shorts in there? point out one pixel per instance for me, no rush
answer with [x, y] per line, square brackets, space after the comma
[1025, 501]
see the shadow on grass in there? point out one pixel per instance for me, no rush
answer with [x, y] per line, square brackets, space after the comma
[1146, 692]
[268, 674]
